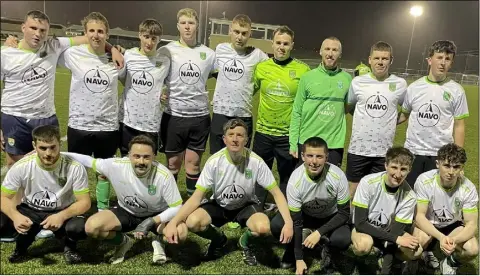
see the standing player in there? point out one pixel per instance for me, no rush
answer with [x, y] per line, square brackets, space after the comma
[277, 80]
[185, 124]
[93, 107]
[318, 200]
[56, 196]
[319, 107]
[231, 175]
[147, 194]
[383, 213]
[447, 211]
[375, 98]
[235, 62]
[143, 78]
[436, 107]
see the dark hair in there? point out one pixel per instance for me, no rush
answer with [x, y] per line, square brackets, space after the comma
[284, 30]
[233, 123]
[442, 46]
[35, 14]
[315, 142]
[151, 27]
[46, 133]
[399, 155]
[452, 153]
[383, 47]
[143, 140]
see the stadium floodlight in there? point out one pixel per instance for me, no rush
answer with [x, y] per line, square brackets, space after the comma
[415, 11]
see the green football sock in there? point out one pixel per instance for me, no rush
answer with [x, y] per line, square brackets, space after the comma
[245, 238]
[211, 233]
[117, 239]
[103, 193]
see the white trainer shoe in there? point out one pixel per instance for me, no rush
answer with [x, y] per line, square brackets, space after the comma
[159, 256]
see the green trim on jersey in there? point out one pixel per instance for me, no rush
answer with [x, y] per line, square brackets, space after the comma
[354, 203]
[340, 202]
[81, 192]
[271, 186]
[437, 179]
[470, 210]
[94, 165]
[293, 209]
[447, 79]
[26, 50]
[466, 115]
[70, 39]
[425, 201]
[202, 188]
[175, 204]
[406, 221]
[8, 191]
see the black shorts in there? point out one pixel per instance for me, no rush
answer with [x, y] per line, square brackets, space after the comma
[128, 133]
[216, 132]
[181, 133]
[446, 231]
[100, 144]
[358, 166]
[420, 165]
[380, 244]
[17, 132]
[128, 221]
[220, 215]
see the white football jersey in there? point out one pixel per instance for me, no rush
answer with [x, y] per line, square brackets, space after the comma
[433, 108]
[384, 207]
[445, 207]
[141, 196]
[144, 76]
[187, 79]
[47, 189]
[29, 78]
[375, 118]
[233, 185]
[320, 198]
[93, 104]
[234, 87]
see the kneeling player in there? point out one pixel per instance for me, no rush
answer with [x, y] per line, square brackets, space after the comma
[318, 199]
[56, 196]
[447, 210]
[147, 194]
[231, 174]
[384, 205]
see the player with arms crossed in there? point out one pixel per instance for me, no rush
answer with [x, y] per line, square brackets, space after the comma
[235, 62]
[231, 175]
[277, 80]
[143, 78]
[56, 196]
[185, 123]
[375, 98]
[384, 205]
[447, 211]
[147, 194]
[436, 108]
[319, 107]
[318, 199]
[93, 104]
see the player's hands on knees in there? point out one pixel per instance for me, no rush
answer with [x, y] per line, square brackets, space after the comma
[287, 233]
[171, 233]
[447, 245]
[408, 241]
[53, 222]
[301, 267]
[11, 41]
[312, 240]
[294, 154]
[22, 224]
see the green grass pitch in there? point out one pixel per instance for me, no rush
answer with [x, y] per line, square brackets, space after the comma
[185, 259]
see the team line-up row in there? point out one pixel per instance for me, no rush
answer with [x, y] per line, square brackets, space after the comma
[296, 104]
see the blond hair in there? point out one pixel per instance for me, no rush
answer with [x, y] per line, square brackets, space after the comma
[95, 16]
[188, 12]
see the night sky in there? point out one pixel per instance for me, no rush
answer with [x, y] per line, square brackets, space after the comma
[357, 24]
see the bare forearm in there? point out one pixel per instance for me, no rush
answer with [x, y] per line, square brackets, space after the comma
[459, 136]
[8, 207]
[188, 208]
[466, 234]
[427, 227]
[76, 209]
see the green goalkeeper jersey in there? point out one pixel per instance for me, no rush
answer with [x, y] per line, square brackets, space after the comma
[277, 83]
[319, 108]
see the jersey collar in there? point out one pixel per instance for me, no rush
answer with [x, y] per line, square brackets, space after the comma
[229, 158]
[323, 174]
[439, 183]
[447, 79]
[39, 163]
[329, 72]
[20, 44]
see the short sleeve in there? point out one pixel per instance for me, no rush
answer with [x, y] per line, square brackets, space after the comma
[214, 61]
[470, 204]
[265, 176]
[362, 195]
[170, 191]
[206, 182]
[343, 193]
[405, 211]
[402, 91]
[421, 191]
[79, 178]
[294, 199]
[352, 98]
[62, 44]
[263, 56]
[407, 105]
[13, 180]
[461, 107]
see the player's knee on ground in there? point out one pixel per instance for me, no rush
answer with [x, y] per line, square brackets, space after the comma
[362, 244]
[276, 225]
[75, 228]
[259, 224]
[470, 248]
[196, 222]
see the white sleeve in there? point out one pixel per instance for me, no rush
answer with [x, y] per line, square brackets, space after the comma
[78, 175]
[461, 107]
[342, 189]
[407, 105]
[206, 182]
[351, 98]
[294, 198]
[85, 160]
[213, 67]
[63, 44]
[170, 191]
[402, 91]
[169, 213]
[471, 200]
[62, 59]
[13, 180]
[263, 56]
[423, 196]
[362, 194]
[406, 209]
[265, 176]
